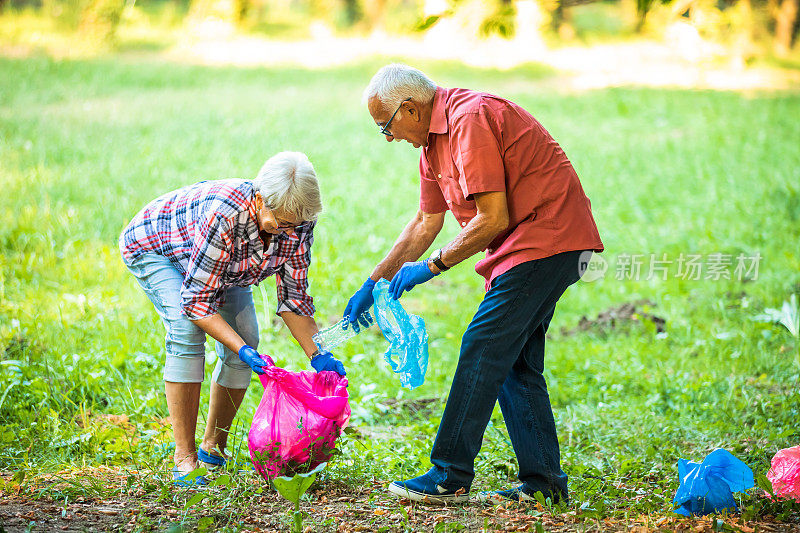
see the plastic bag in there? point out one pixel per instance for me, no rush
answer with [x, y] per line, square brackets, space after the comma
[708, 487]
[406, 334]
[296, 425]
[785, 473]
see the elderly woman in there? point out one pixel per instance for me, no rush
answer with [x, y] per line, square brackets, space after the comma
[195, 252]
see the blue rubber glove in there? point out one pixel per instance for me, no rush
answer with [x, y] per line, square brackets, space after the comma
[326, 361]
[361, 301]
[254, 360]
[410, 275]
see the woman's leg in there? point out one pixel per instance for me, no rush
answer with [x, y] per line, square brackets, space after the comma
[222, 407]
[183, 401]
[231, 376]
[185, 352]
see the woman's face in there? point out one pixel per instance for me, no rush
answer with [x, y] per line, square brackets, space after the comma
[274, 221]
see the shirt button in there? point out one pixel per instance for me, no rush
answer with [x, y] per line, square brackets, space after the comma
[440, 176]
[463, 224]
[490, 250]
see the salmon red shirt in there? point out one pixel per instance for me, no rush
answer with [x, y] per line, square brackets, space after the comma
[477, 143]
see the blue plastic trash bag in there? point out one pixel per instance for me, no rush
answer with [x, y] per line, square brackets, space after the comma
[408, 339]
[708, 487]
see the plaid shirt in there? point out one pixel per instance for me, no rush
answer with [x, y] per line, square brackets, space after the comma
[209, 231]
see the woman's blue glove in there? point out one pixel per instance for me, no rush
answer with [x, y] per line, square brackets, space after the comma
[411, 274]
[254, 360]
[326, 361]
[361, 301]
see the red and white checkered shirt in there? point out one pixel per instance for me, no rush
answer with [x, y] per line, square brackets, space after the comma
[209, 232]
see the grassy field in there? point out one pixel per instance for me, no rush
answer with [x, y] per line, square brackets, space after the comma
[83, 145]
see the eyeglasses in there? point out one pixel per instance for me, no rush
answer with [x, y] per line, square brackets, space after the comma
[385, 128]
[280, 226]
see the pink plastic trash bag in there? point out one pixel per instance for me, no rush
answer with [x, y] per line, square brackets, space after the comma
[296, 425]
[785, 473]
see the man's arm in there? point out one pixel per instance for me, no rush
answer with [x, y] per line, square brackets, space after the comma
[415, 238]
[491, 220]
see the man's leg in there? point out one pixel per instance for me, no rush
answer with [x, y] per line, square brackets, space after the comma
[523, 397]
[526, 409]
[517, 302]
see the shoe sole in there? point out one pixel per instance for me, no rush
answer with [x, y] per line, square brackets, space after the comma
[415, 496]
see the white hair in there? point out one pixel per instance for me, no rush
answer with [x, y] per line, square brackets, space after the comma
[287, 181]
[397, 82]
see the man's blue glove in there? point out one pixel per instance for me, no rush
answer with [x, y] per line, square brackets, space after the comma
[411, 274]
[254, 360]
[326, 361]
[361, 301]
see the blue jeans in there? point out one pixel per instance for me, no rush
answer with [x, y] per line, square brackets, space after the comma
[502, 359]
[185, 342]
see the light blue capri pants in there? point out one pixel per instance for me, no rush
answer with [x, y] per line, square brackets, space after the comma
[185, 342]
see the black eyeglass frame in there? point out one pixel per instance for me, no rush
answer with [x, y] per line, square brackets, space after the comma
[385, 128]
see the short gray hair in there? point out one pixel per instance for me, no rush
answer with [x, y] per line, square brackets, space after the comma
[287, 181]
[396, 82]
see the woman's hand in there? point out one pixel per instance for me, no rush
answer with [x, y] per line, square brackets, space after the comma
[326, 361]
[255, 360]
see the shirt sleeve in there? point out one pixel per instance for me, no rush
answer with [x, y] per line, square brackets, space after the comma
[291, 280]
[476, 149]
[210, 257]
[431, 199]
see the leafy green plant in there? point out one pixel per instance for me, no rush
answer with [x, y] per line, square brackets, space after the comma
[293, 488]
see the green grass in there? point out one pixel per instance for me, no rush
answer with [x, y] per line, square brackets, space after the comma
[85, 144]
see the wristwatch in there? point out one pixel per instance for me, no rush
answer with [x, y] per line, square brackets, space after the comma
[437, 260]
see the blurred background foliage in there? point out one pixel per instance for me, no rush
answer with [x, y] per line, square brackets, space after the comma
[755, 27]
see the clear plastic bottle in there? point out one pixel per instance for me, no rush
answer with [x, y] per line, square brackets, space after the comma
[332, 336]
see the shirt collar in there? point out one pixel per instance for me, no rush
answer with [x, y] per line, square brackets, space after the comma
[438, 116]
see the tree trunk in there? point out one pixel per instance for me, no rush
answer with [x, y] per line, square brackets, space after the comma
[785, 17]
[100, 19]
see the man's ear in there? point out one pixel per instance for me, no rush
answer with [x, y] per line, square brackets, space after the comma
[413, 110]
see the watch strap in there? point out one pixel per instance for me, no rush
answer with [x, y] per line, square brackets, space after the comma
[437, 260]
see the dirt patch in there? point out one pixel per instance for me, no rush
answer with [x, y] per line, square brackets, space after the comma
[368, 509]
[419, 406]
[618, 317]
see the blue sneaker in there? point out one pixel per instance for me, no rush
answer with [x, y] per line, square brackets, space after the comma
[424, 489]
[211, 462]
[190, 479]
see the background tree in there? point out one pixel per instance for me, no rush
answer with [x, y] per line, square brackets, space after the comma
[784, 14]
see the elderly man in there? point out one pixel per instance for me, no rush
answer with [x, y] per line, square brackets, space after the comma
[195, 252]
[516, 196]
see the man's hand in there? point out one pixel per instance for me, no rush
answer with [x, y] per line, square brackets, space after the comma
[254, 360]
[410, 275]
[326, 361]
[361, 301]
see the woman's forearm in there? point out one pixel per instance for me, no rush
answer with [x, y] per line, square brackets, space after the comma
[220, 330]
[302, 328]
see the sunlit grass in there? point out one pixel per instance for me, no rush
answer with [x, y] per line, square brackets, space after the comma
[85, 144]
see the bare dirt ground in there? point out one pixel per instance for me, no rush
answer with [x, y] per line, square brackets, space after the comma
[332, 508]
